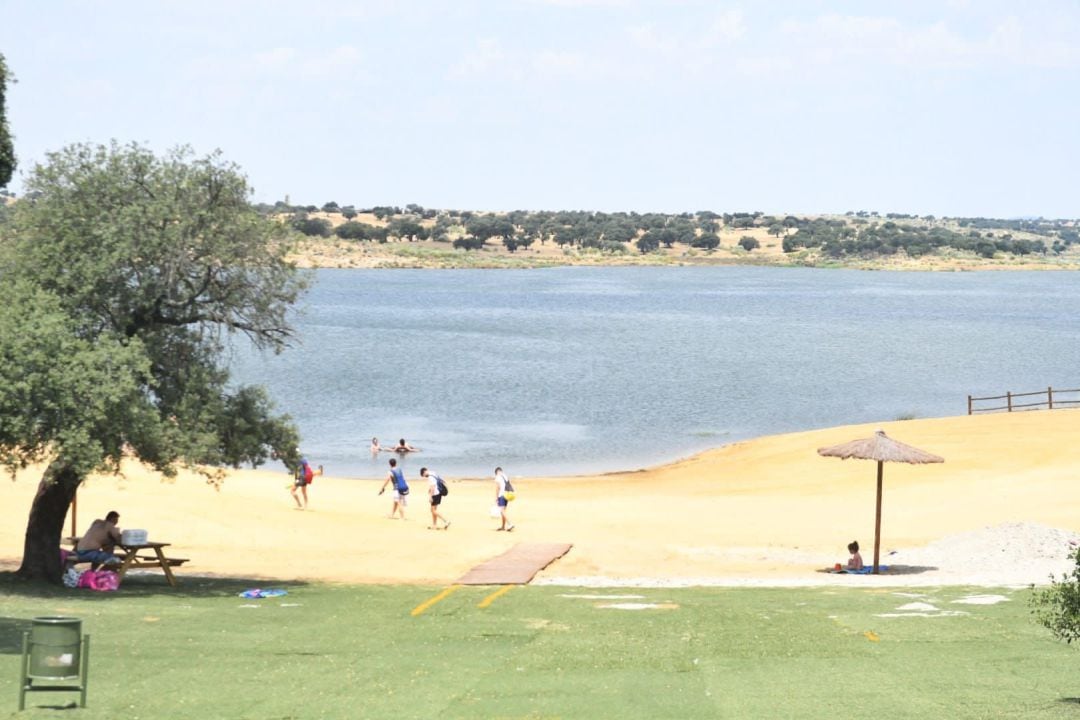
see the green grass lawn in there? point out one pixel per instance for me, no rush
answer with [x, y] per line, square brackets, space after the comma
[543, 652]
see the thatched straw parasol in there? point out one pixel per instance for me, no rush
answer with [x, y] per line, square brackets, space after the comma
[883, 449]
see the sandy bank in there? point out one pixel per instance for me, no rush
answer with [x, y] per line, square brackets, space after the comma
[768, 510]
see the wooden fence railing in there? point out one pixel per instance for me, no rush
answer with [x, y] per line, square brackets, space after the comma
[1049, 399]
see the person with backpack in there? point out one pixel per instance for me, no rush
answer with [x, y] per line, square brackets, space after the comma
[304, 475]
[401, 489]
[437, 490]
[504, 493]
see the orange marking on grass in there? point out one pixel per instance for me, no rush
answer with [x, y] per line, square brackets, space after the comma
[493, 596]
[419, 609]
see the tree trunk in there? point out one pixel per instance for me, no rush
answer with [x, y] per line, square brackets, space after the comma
[41, 548]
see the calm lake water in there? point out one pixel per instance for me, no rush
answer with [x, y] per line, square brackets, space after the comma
[569, 370]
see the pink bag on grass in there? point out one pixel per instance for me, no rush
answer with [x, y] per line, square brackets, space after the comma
[102, 580]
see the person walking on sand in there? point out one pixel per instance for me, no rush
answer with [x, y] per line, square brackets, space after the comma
[401, 489]
[304, 475]
[435, 493]
[503, 492]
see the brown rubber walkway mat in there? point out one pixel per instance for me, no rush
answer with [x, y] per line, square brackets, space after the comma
[516, 566]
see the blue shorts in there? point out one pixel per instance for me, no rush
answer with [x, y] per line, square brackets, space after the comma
[99, 557]
[502, 502]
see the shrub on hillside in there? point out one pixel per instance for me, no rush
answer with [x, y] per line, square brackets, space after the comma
[356, 231]
[1057, 608]
[314, 227]
[468, 242]
[648, 242]
[707, 241]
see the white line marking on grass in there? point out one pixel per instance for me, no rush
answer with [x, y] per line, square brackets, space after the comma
[605, 597]
[544, 624]
[248, 606]
[921, 609]
[637, 606]
[927, 607]
[941, 613]
[981, 600]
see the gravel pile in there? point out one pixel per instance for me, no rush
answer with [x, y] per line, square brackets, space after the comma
[1008, 555]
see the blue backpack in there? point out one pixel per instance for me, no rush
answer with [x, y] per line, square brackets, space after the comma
[443, 490]
[399, 481]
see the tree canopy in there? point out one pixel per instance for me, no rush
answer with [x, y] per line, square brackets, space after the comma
[7, 148]
[61, 393]
[125, 275]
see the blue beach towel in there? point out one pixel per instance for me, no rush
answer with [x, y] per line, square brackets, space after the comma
[257, 593]
[867, 570]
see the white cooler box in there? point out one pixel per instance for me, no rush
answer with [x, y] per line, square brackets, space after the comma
[132, 537]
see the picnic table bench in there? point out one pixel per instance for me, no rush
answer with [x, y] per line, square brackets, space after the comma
[130, 557]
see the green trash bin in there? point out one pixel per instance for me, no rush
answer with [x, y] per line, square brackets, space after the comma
[55, 654]
[55, 648]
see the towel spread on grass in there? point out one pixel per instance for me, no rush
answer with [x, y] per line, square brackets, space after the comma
[256, 593]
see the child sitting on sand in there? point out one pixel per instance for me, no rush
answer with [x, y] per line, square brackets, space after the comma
[855, 562]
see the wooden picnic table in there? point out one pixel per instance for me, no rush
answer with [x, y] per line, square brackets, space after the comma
[130, 558]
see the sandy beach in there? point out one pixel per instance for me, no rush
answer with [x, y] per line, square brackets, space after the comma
[1001, 510]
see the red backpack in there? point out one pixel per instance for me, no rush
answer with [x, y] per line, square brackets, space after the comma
[309, 474]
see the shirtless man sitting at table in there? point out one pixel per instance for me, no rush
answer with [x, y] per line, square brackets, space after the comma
[96, 545]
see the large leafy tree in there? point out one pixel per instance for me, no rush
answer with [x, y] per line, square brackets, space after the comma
[65, 399]
[7, 149]
[140, 269]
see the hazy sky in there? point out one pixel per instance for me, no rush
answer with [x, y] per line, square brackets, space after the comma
[923, 106]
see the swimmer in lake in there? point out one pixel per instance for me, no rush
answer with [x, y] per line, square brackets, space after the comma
[375, 446]
[404, 447]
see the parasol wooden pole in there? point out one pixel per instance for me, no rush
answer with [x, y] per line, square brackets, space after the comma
[877, 518]
[74, 510]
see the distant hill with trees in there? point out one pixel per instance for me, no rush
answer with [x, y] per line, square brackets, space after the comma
[417, 236]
